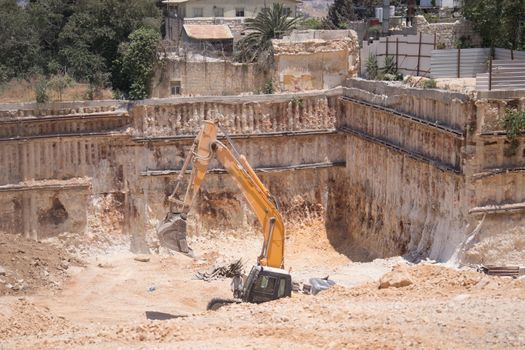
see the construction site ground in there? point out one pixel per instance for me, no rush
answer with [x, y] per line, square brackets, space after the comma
[104, 297]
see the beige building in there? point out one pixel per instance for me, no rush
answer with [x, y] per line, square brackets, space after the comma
[231, 13]
[224, 8]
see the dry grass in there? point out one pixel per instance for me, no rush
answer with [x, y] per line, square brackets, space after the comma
[17, 91]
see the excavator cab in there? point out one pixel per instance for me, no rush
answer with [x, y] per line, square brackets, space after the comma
[266, 283]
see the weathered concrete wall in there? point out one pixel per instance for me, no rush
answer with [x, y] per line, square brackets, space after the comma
[204, 76]
[304, 60]
[448, 35]
[396, 170]
[422, 168]
[92, 170]
[313, 60]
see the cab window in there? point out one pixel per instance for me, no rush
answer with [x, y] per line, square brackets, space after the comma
[265, 284]
[282, 288]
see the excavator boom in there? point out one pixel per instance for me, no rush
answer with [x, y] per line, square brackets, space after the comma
[172, 232]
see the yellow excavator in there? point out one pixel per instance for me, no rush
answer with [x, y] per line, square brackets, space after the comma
[267, 280]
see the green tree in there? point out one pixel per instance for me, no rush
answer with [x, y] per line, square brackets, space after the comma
[19, 48]
[90, 40]
[311, 23]
[340, 13]
[499, 23]
[59, 82]
[137, 62]
[270, 23]
[48, 18]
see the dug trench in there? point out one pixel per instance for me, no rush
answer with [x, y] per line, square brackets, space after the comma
[378, 201]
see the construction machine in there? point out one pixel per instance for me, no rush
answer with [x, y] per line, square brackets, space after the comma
[267, 280]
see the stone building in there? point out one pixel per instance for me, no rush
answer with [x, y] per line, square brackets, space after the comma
[208, 37]
[227, 12]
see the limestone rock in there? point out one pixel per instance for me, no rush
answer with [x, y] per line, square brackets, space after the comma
[3, 272]
[142, 258]
[397, 278]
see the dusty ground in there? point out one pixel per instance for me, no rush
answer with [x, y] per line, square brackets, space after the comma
[115, 301]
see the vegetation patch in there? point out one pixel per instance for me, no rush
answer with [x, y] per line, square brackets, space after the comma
[514, 125]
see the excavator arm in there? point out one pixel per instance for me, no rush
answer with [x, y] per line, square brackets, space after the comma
[206, 146]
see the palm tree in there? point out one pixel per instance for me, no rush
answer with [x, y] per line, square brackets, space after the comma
[270, 23]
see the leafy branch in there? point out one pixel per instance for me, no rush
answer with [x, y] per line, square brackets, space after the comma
[514, 125]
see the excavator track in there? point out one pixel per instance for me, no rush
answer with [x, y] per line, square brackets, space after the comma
[216, 303]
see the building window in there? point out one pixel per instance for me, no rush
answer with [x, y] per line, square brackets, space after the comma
[288, 11]
[198, 12]
[218, 11]
[239, 12]
[175, 87]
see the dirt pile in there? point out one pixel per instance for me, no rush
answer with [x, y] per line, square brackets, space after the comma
[26, 265]
[428, 280]
[26, 319]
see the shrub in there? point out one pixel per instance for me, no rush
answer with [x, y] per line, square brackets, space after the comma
[372, 67]
[59, 82]
[514, 125]
[41, 91]
[268, 88]
[430, 84]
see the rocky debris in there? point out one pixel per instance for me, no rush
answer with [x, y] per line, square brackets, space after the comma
[142, 258]
[105, 265]
[221, 271]
[27, 319]
[397, 278]
[26, 265]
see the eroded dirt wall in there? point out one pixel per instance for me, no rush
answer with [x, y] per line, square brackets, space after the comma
[397, 205]
[405, 193]
[109, 168]
[429, 175]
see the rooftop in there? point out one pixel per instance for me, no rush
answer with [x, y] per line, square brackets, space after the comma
[208, 31]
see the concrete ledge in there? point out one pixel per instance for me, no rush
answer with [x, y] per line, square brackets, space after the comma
[239, 136]
[338, 91]
[393, 147]
[390, 89]
[60, 105]
[501, 94]
[48, 185]
[498, 209]
[277, 169]
[436, 126]
[497, 171]
[79, 116]
[61, 136]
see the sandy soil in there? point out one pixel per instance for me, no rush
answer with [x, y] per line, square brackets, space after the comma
[115, 301]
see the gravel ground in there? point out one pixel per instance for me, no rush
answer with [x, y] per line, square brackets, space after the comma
[115, 301]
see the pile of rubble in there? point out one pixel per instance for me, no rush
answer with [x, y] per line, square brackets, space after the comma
[26, 265]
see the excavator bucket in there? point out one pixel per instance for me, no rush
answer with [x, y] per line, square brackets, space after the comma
[172, 233]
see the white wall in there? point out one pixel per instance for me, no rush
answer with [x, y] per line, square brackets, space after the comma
[251, 7]
[441, 3]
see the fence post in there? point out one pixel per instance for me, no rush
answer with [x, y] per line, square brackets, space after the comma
[459, 62]
[386, 46]
[435, 41]
[397, 54]
[512, 54]
[419, 54]
[490, 73]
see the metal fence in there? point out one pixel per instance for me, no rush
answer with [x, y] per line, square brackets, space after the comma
[411, 53]
[459, 63]
[503, 75]
[504, 54]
